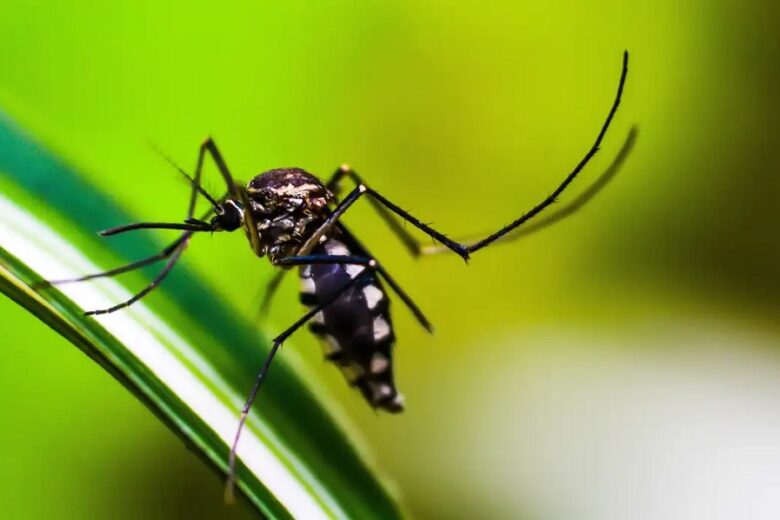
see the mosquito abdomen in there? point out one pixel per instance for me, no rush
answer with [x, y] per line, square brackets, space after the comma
[356, 329]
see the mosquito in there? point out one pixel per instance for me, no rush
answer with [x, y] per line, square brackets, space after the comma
[294, 219]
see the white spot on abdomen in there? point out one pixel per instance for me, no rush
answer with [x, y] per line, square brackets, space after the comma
[381, 328]
[334, 247]
[373, 295]
[307, 286]
[379, 391]
[354, 270]
[379, 363]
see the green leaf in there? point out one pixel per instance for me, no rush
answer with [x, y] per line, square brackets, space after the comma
[185, 353]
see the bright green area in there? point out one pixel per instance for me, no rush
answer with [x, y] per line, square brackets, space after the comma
[465, 113]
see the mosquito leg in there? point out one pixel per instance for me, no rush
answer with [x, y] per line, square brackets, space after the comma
[418, 314]
[463, 250]
[390, 281]
[406, 238]
[566, 211]
[277, 342]
[353, 196]
[191, 225]
[436, 235]
[149, 288]
[569, 178]
[331, 221]
[273, 284]
[172, 251]
[234, 191]
[326, 260]
[210, 147]
[360, 260]
[168, 251]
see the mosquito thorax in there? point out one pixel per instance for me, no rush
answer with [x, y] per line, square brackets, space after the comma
[287, 204]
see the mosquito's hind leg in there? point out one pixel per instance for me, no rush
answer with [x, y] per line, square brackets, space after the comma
[565, 211]
[410, 304]
[465, 250]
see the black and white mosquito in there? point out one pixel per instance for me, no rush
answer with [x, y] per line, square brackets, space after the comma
[294, 219]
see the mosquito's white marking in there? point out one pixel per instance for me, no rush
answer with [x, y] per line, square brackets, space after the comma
[306, 272]
[284, 222]
[307, 286]
[323, 238]
[334, 247]
[373, 295]
[318, 318]
[380, 391]
[381, 328]
[354, 270]
[399, 400]
[292, 190]
[379, 363]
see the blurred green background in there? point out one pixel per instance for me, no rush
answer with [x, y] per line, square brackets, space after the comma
[622, 364]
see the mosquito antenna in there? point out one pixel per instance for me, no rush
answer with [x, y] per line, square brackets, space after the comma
[187, 176]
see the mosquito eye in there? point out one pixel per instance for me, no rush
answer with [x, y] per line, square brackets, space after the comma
[230, 219]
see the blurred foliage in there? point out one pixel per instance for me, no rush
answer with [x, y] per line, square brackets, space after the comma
[465, 113]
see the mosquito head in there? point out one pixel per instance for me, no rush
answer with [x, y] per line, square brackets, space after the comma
[229, 218]
[287, 190]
